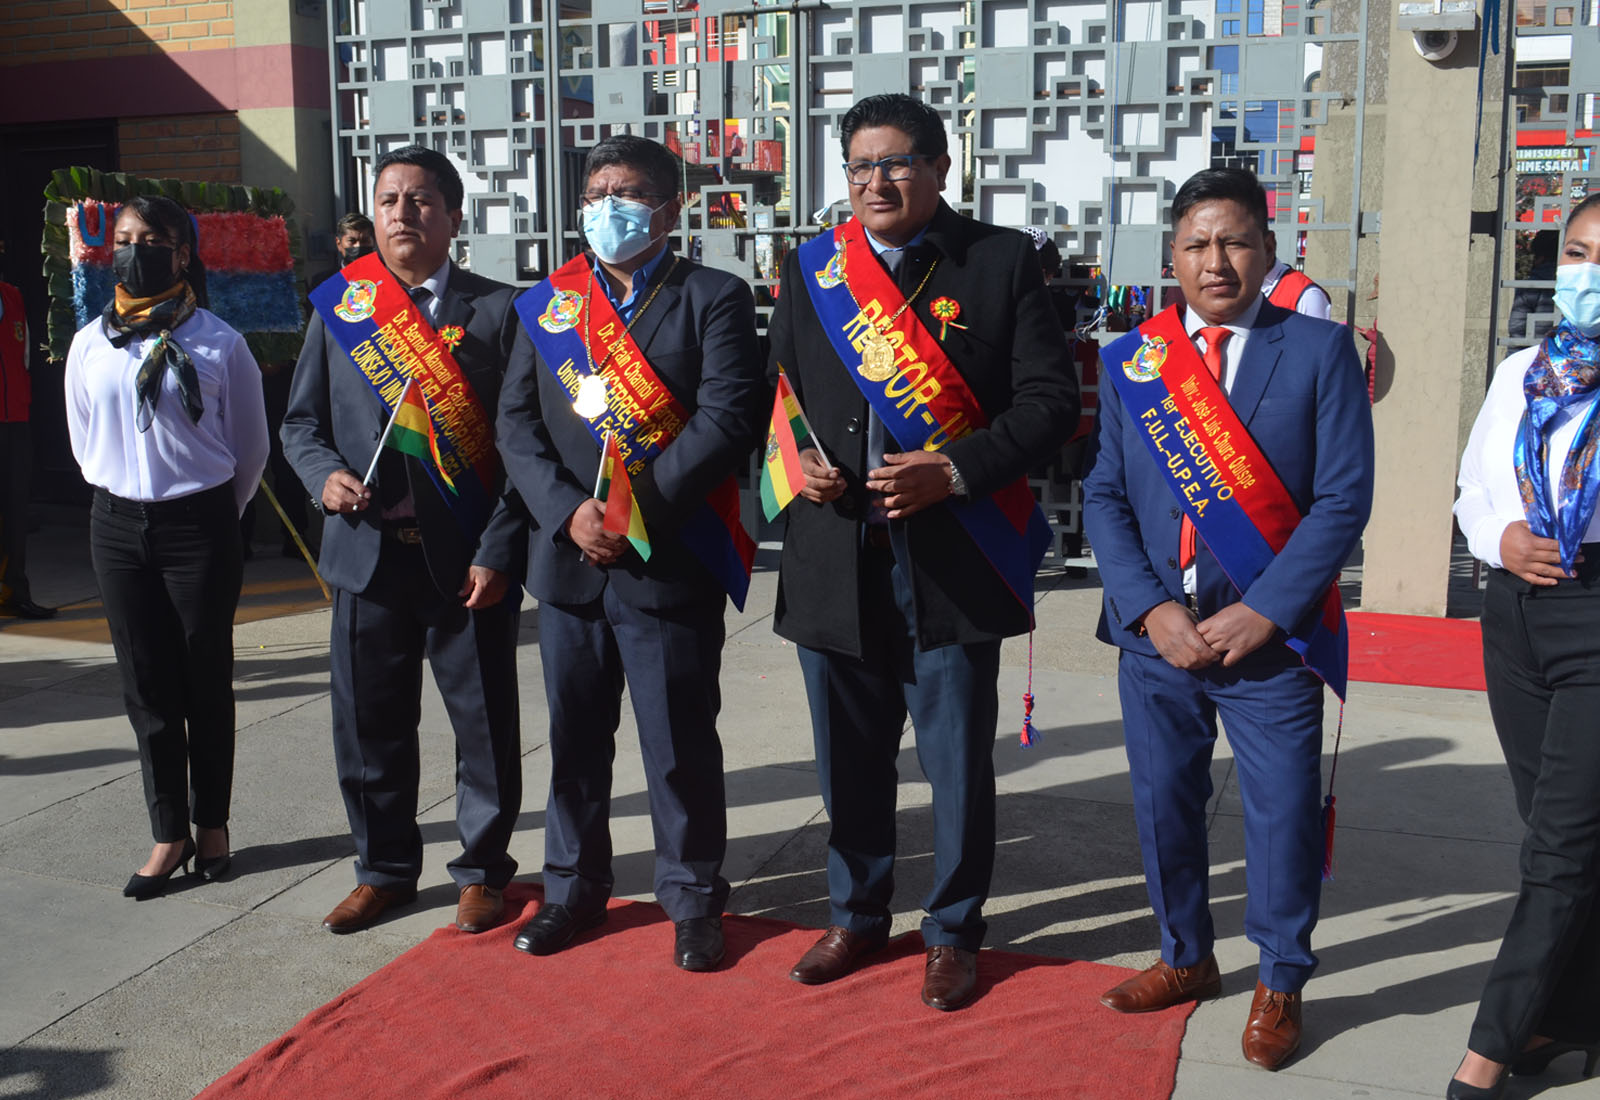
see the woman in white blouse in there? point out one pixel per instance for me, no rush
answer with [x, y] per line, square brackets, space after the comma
[165, 412]
[1529, 482]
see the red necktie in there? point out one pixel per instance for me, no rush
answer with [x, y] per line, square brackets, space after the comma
[1215, 336]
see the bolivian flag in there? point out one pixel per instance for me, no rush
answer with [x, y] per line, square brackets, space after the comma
[622, 511]
[413, 431]
[781, 478]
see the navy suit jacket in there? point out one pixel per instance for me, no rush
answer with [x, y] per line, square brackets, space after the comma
[334, 421]
[1301, 394]
[699, 337]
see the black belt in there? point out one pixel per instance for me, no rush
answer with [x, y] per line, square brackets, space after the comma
[1192, 602]
[203, 501]
[408, 533]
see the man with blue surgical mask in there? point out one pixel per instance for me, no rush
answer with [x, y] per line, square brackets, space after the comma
[633, 351]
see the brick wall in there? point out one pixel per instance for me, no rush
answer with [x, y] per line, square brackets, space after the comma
[76, 30]
[197, 147]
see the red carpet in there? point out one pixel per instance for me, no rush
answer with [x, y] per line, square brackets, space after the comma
[468, 1016]
[1416, 650]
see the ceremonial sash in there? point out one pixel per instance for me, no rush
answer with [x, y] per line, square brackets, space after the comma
[641, 413]
[917, 392]
[1290, 288]
[369, 314]
[1217, 473]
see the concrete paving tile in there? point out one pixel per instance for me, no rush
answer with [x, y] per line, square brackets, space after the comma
[54, 933]
[55, 745]
[228, 994]
[1407, 933]
[1416, 761]
[1205, 1081]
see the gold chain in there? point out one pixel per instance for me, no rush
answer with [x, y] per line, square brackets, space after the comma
[903, 305]
[588, 318]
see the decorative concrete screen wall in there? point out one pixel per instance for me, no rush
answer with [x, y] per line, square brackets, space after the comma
[1079, 117]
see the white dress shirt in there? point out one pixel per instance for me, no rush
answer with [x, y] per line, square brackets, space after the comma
[1313, 303]
[1490, 499]
[176, 457]
[1232, 353]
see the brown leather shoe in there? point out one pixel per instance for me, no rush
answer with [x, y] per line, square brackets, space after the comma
[949, 977]
[480, 908]
[1273, 1033]
[364, 906]
[833, 956]
[1161, 986]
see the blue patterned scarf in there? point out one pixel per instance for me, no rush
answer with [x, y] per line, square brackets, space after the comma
[1565, 372]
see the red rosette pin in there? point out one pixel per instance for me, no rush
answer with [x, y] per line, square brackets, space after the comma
[946, 310]
[450, 336]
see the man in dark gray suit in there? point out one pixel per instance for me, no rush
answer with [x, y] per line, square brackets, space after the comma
[412, 579]
[661, 352]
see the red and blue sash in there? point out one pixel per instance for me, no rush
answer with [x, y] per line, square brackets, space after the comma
[1217, 473]
[369, 314]
[563, 316]
[926, 403]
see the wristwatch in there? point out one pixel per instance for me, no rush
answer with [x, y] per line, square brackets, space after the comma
[958, 484]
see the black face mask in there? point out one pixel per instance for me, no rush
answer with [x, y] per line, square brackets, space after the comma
[350, 255]
[144, 270]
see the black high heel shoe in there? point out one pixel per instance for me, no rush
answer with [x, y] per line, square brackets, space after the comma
[144, 887]
[210, 870]
[1536, 1061]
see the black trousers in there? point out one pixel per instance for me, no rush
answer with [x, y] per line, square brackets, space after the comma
[169, 574]
[16, 474]
[379, 639]
[1541, 657]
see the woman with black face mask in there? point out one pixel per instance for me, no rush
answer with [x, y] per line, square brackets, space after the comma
[165, 412]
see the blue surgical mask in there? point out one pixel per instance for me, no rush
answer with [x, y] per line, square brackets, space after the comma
[617, 229]
[1578, 296]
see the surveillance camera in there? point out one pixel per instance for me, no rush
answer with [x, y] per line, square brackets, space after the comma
[1434, 45]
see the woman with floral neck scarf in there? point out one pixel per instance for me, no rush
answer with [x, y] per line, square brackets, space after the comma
[165, 412]
[1529, 481]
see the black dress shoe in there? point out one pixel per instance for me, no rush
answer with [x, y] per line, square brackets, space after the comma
[698, 944]
[144, 887]
[27, 609]
[555, 926]
[211, 869]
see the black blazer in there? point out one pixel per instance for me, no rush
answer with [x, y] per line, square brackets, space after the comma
[334, 421]
[699, 337]
[1014, 356]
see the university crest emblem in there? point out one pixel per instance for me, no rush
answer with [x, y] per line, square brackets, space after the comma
[832, 275]
[1146, 364]
[563, 311]
[359, 300]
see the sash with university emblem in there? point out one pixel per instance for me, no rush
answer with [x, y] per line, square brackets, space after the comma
[370, 315]
[564, 317]
[917, 391]
[1217, 472]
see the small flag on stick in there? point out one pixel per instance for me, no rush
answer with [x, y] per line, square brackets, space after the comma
[622, 511]
[787, 435]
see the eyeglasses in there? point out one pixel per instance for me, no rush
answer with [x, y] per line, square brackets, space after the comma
[627, 194]
[895, 169]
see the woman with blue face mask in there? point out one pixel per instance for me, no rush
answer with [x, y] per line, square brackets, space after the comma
[1529, 482]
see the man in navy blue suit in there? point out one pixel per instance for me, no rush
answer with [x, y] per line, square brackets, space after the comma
[1194, 646]
[633, 340]
[410, 580]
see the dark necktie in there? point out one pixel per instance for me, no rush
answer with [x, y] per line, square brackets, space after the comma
[1215, 337]
[877, 434]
